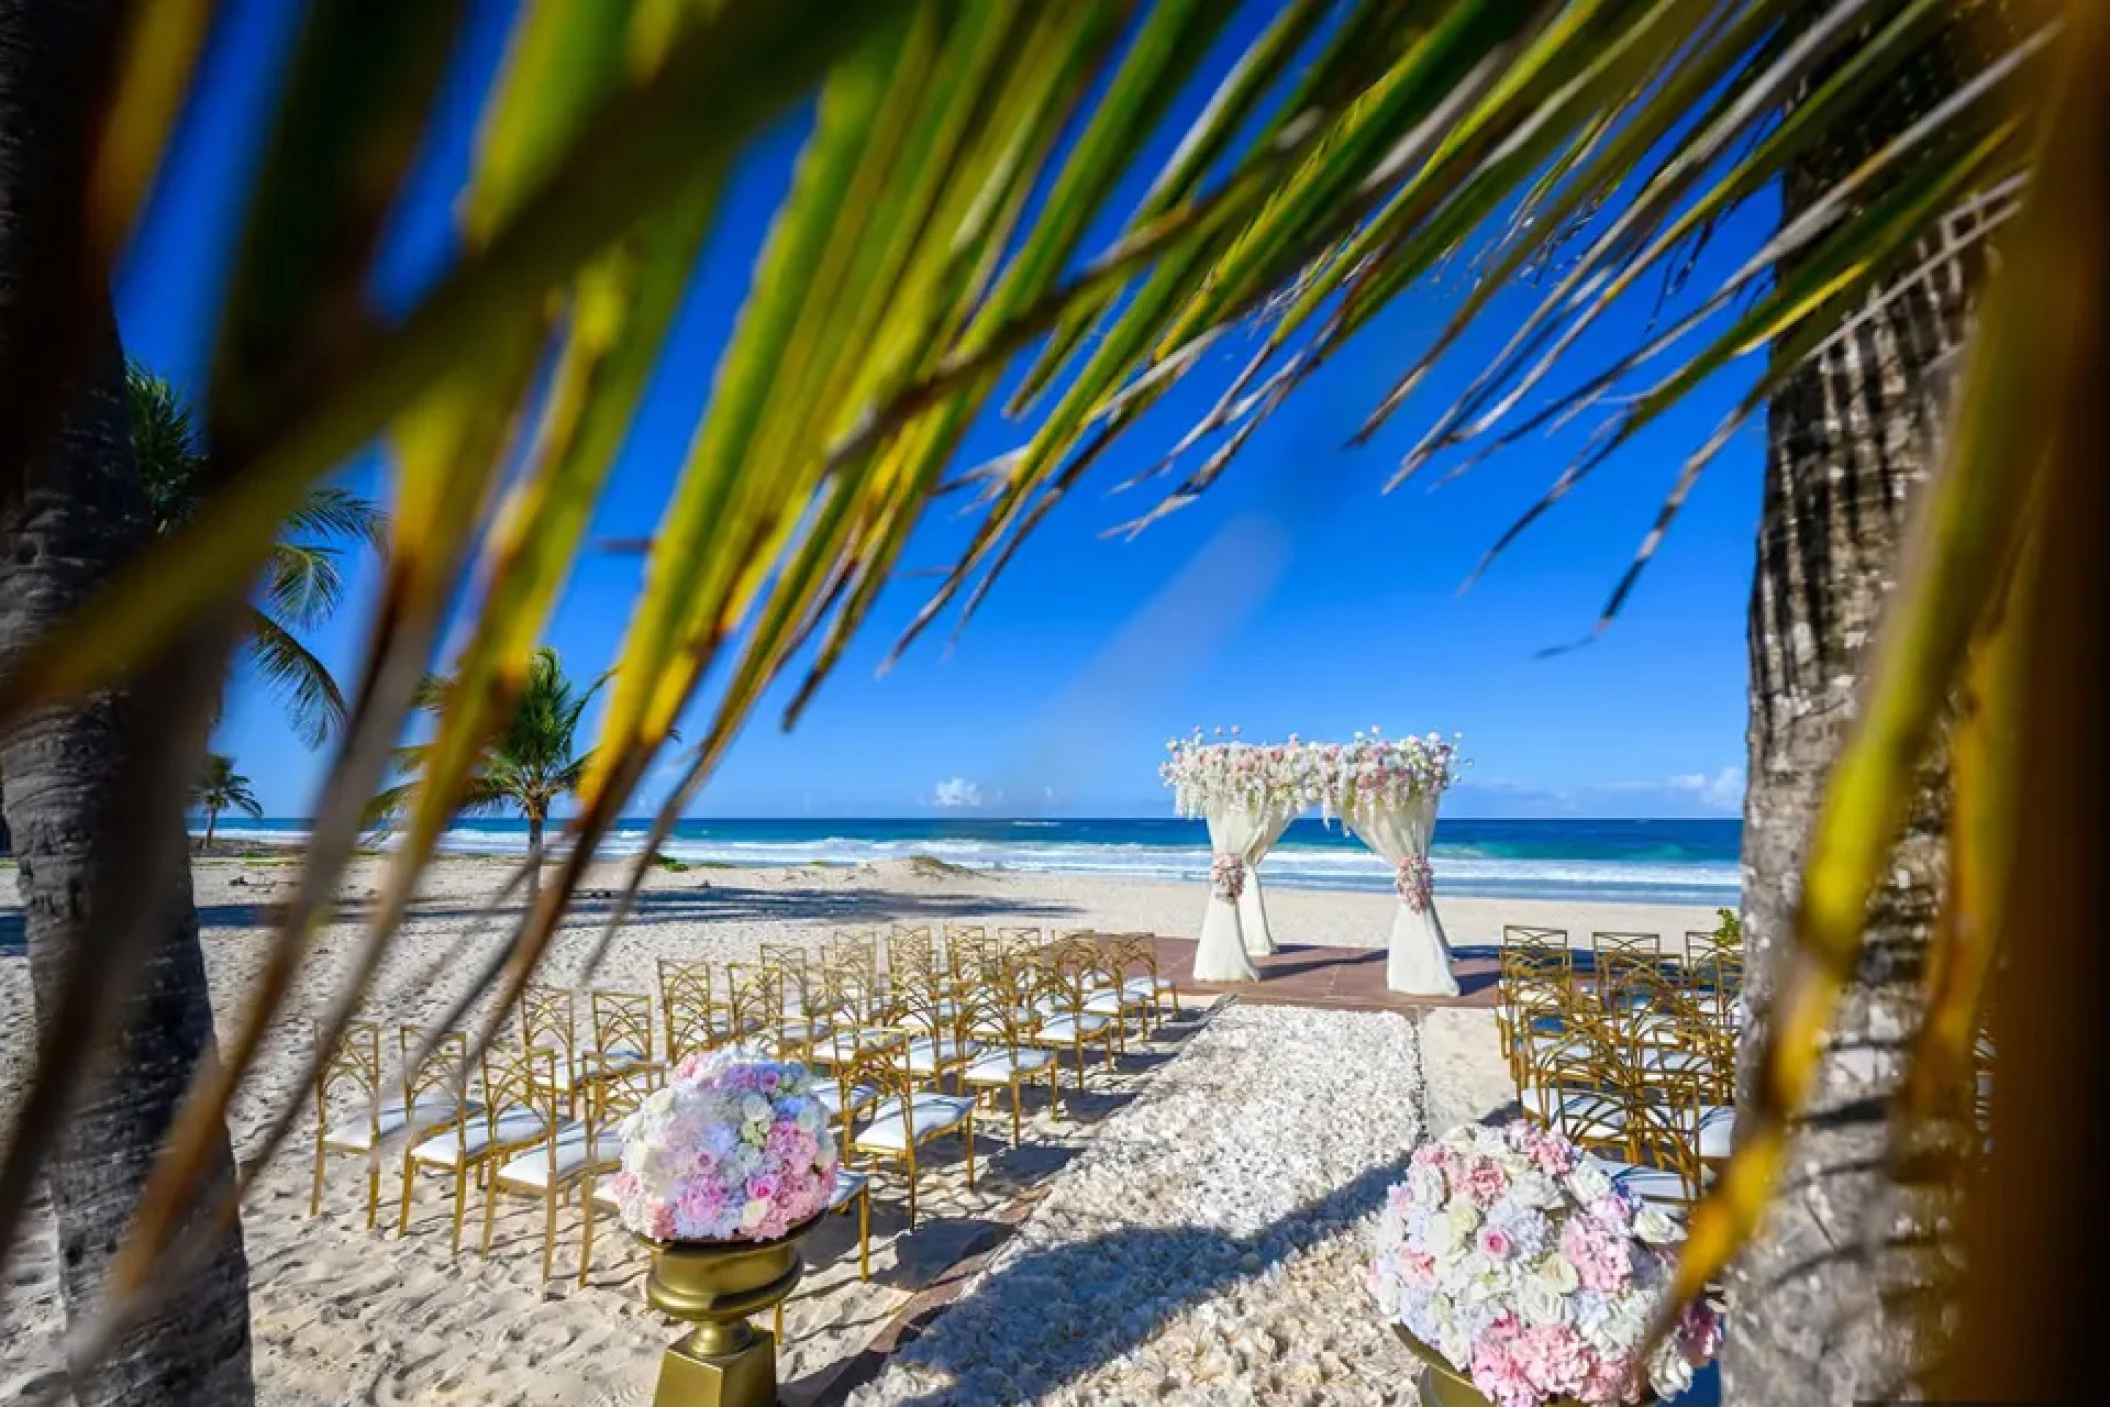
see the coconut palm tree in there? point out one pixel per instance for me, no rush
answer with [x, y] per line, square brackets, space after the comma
[96, 821]
[303, 579]
[221, 788]
[532, 763]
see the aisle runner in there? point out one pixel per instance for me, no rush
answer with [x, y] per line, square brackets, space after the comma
[1206, 1245]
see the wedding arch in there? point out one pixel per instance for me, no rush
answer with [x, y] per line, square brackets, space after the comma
[1385, 791]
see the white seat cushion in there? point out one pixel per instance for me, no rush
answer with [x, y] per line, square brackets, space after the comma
[1652, 1185]
[927, 1057]
[613, 1061]
[1717, 1129]
[1063, 1030]
[358, 1134]
[574, 1152]
[1108, 1002]
[801, 1031]
[931, 1114]
[847, 1185]
[445, 1150]
[829, 1096]
[999, 1066]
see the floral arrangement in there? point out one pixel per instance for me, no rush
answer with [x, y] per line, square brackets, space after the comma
[1525, 1266]
[1415, 879]
[1339, 778]
[735, 1147]
[1227, 876]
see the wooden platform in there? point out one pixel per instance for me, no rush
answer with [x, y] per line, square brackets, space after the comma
[1339, 979]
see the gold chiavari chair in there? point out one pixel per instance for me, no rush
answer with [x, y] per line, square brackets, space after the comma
[549, 1020]
[686, 1011]
[1662, 1164]
[435, 1077]
[909, 945]
[1573, 1086]
[857, 978]
[1111, 996]
[562, 1160]
[1637, 946]
[901, 1118]
[847, 1035]
[1716, 982]
[754, 1002]
[362, 1125]
[518, 1095]
[1136, 959]
[937, 1047]
[1008, 1059]
[622, 1036]
[1524, 938]
[802, 1031]
[613, 1101]
[1062, 977]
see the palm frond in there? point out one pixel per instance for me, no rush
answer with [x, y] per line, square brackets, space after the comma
[302, 682]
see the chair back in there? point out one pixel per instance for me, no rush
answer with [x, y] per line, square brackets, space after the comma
[1663, 1132]
[685, 1011]
[548, 1018]
[881, 1066]
[622, 1021]
[516, 1078]
[350, 1074]
[435, 1067]
[754, 999]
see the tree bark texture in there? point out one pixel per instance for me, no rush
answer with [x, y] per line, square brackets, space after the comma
[1827, 1306]
[81, 511]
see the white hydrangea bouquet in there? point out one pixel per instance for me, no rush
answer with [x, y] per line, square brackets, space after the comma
[734, 1147]
[1522, 1263]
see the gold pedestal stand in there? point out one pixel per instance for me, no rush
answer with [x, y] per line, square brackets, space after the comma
[715, 1285]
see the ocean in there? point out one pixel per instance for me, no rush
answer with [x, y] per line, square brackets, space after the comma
[1659, 861]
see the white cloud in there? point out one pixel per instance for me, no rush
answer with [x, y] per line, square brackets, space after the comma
[1724, 791]
[957, 794]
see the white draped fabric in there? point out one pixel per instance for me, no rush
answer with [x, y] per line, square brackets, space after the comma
[1235, 925]
[1420, 959]
[1261, 833]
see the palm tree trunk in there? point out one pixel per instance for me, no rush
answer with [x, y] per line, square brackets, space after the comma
[535, 820]
[1819, 1312]
[81, 512]
[212, 819]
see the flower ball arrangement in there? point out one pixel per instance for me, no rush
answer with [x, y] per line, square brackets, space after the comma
[1523, 1264]
[732, 1148]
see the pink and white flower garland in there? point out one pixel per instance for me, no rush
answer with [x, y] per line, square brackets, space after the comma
[1415, 879]
[735, 1147]
[1371, 771]
[1523, 1264]
[1227, 876]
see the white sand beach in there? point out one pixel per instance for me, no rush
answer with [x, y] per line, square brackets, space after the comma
[1187, 1233]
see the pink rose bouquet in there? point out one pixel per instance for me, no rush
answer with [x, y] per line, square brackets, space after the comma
[733, 1148]
[1524, 1264]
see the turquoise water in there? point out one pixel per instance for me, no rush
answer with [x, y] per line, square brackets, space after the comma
[1660, 861]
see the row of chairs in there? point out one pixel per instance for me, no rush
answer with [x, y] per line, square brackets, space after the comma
[1626, 1049]
[912, 1032]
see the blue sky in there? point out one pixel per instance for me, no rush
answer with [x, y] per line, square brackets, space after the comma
[1293, 597]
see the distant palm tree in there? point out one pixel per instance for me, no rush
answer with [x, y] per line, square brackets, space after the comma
[223, 789]
[303, 580]
[528, 765]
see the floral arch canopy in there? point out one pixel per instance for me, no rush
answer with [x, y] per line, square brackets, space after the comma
[1385, 790]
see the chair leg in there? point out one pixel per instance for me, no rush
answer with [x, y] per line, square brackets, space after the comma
[864, 1233]
[1016, 1137]
[585, 1230]
[315, 1195]
[549, 1231]
[912, 1192]
[409, 1185]
[373, 1188]
[461, 1206]
[487, 1183]
[970, 1150]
